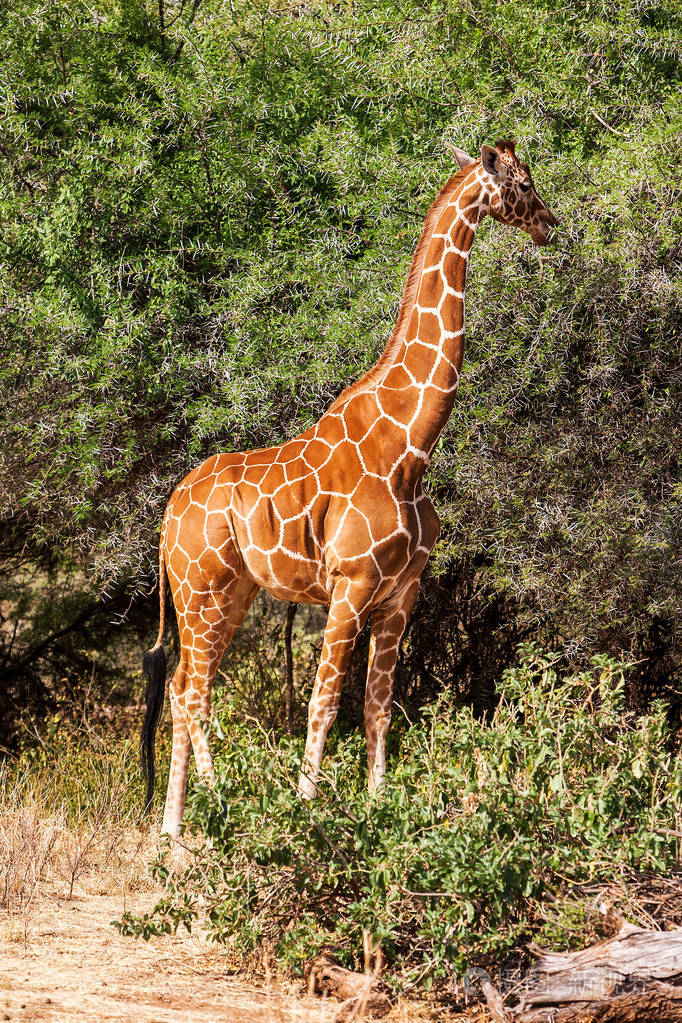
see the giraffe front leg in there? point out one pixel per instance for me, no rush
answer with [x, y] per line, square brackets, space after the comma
[348, 613]
[388, 626]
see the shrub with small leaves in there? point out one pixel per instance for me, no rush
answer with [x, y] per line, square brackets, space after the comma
[208, 215]
[477, 825]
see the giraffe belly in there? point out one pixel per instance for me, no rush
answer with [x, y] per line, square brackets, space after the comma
[312, 593]
[286, 577]
[282, 556]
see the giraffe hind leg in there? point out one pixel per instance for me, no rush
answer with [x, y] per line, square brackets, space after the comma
[205, 633]
[388, 626]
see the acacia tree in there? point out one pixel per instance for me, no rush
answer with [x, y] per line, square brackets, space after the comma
[207, 216]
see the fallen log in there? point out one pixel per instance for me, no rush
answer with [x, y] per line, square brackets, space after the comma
[658, 1003]
[634, 976]
[360, 993]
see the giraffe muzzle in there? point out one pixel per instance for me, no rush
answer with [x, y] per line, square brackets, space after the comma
[544, 232]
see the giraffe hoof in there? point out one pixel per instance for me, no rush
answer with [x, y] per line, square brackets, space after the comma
[178, 858]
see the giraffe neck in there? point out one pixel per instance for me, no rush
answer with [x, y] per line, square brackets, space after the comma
[418, 391]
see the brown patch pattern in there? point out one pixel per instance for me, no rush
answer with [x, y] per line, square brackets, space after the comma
[337, 516]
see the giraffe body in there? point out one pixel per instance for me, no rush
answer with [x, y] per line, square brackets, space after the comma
[337, 516]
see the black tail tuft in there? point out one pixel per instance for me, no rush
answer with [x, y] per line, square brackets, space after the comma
[154, 667]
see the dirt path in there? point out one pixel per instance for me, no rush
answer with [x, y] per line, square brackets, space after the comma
[62, 960]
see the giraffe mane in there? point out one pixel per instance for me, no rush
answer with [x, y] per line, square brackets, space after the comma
[378, 371]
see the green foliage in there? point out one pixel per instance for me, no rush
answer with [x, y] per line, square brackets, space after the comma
[208, 213]
[477, 825]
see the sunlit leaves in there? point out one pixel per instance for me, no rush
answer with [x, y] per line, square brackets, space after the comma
[479, 825]
[206, 227]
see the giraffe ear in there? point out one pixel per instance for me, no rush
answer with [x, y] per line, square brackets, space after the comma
[462, 158]
[490, 159]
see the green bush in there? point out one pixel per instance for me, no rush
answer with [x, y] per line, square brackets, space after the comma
[208, 215]
[477, 825]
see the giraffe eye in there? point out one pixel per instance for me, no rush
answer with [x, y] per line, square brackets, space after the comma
[525, 187]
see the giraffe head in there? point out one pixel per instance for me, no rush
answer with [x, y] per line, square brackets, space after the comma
[513, 198]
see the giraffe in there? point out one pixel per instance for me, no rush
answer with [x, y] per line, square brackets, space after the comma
[337, 516]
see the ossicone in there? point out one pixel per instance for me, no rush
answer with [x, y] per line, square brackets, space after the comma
[462, 158]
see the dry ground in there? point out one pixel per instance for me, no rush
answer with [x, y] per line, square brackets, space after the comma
[64, 961]
[61, 959]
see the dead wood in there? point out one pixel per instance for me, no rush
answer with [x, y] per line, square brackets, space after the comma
[289, 662]
[633, 956]
[361, 993]
[658, 1003]
[634, 976]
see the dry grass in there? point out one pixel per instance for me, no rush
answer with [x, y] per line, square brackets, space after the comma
[57, 831]
[63, 879]
[74, 857]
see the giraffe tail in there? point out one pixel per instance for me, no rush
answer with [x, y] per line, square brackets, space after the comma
[154, 668]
